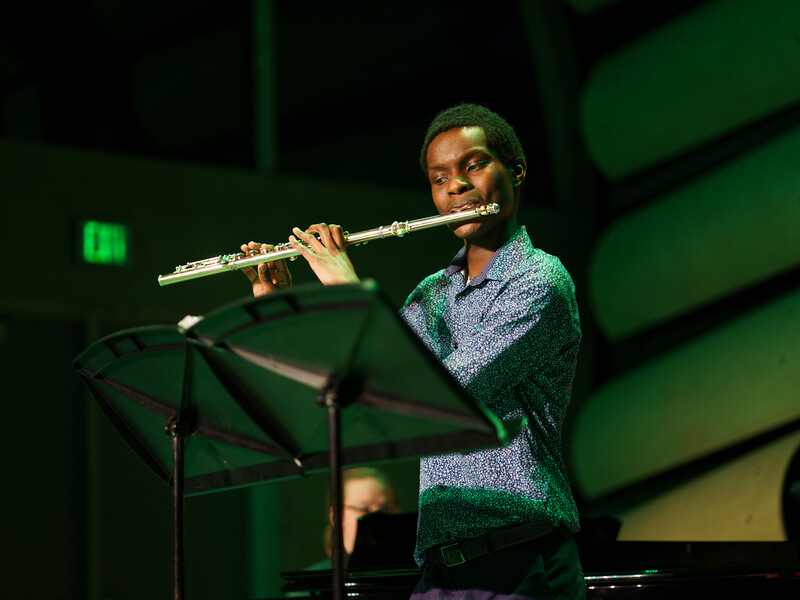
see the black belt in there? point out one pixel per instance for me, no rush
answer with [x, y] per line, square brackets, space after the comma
[499, 539]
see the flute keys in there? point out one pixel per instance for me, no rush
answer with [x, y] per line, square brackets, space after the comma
[399, 229]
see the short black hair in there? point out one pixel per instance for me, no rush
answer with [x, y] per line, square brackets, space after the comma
[500, 136]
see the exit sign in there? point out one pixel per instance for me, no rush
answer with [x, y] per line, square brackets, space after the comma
[104, 243]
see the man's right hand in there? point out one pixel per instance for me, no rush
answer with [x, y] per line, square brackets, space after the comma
[269, 276]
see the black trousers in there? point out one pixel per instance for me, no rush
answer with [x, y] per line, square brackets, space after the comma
[543, 569]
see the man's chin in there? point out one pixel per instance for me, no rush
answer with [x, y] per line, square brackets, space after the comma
[466, 231]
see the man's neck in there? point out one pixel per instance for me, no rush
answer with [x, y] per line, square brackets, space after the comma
[480, 252]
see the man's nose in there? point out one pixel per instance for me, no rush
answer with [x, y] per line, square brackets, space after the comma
[459, 185]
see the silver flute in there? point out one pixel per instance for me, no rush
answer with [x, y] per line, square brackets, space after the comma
[240, 260]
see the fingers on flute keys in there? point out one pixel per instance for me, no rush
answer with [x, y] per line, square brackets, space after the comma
[317, 238]
[338, 236]
[266, 276]
[324, 247]
[258, 275]
[278, 271]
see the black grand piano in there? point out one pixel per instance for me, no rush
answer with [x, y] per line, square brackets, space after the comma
[619, 571]
[614, 569]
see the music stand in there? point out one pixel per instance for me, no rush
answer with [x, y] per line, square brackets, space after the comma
[241, 396]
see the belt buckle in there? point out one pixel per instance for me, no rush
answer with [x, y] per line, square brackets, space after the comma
[459, 561]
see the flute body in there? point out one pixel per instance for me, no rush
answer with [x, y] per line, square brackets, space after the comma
[240, 260]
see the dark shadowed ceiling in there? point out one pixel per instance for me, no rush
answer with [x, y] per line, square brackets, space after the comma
[354, 83]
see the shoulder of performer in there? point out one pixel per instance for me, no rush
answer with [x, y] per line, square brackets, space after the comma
[426, 288]
[542, 284]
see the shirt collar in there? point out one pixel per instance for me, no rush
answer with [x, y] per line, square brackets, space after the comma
[503, 262]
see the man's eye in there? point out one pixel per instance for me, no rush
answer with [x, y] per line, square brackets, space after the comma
[438, 180]
[476, 166]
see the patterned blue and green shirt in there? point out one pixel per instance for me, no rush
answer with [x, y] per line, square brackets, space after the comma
[510, 336]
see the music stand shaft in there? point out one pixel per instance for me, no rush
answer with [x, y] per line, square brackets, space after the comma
[178, 539]
[337, 505]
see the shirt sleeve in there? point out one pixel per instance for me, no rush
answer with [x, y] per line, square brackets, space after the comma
[528, 335]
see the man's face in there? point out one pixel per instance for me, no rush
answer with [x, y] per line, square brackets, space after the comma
[465, 173]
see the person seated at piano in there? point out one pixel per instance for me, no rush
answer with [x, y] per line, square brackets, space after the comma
[365, 490]
[503, 320]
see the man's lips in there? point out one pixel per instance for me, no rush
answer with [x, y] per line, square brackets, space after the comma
[462, 206]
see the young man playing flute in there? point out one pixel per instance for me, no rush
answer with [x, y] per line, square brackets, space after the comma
[502, 318]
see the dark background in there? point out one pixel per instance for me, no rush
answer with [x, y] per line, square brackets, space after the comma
[662, 142]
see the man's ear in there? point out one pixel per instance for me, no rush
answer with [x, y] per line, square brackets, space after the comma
[518, 171]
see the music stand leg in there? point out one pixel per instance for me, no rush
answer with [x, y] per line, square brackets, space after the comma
[178, 540]
[335, 465]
